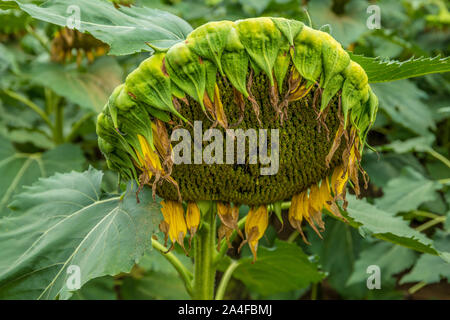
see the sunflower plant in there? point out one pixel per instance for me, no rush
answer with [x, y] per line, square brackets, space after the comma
[198, 206]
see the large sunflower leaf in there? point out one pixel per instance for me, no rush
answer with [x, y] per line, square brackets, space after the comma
[125, 29]
[430, 269]
[402, 101]
[385, 226]
[18, 169]
[383, 70]
[64, 223]
[97, 289]
[337, 253]
[407, 192]
[383, 167]
[390, 258]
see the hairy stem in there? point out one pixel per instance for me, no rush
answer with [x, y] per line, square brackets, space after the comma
[439, 156]
[204, 251]
[184, 273]
[58, 135]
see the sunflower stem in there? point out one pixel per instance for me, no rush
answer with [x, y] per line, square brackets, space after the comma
[439, 157]
[31, 105]
[204, 252]
[184, 273]
[226, 279]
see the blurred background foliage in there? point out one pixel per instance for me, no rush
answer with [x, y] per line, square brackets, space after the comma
[53, 82]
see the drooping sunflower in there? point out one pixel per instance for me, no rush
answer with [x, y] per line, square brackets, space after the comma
[268, 73]
[67, 41]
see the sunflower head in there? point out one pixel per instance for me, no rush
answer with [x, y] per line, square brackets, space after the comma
[67, 41]
[288, 95]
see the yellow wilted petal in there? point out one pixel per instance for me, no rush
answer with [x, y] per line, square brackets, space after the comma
[300, 89]
[173, 214]
[314, 198]
[218, 109]
[316, 206]
[192, 217]
[151, 160]
[229, 217]
[161, 138]
[338, 182]
[325, 194]
[296, 214]
[308, 211]
[255, 226]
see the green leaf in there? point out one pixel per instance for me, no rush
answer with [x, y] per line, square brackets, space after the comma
[382, 70]
[284, 267]
[154, 285]
[383, 167]
[64, 221]
[255, 6]
[37, 138]
[153, 260]
[390, 258]
[347, 27]
[19, 169]
[5, 5]
[385, 226]
[430, 269]
[8, 59]
[126, 30]
[96, 289]
[407, 192]
[337, 253]
[89, 89]
[418, 144]
[402, 101]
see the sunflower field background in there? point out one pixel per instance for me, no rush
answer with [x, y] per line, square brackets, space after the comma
[54, 80]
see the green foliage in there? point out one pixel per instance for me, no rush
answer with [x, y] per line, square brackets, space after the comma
[391, 259]
[126, 30]
[430, 269]
[382, 70]
[384, 225]
[68, 220]
[19, 169]
[86, 88]
[403, 102]
[96, 289]
[337, 254]
[277, 269]
[154, 285]
[50, 219]
[407, 192]
[346, 28]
